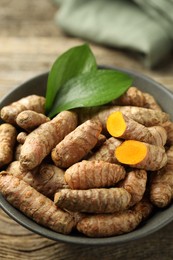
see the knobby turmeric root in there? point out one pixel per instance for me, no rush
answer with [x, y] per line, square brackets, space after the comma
[51, 178]
[8, 135]
[17, 152]
[151, 103]
[135, 97]
[32, 102]
[145, 207]
[97, 193]
[135, 184]
[100, 141]
[44, 138]
[21, 137]
[93, 174]
[132, 97]
[141, 155]
[169, 165]
[120, 126]
[107, 151]
[161, 191]
[105, 225]
[77, 144]
[46, 178]
[34, 204]
[29, 119]
[93, 200]
[169, 130]
[159, 135]
[161, 187]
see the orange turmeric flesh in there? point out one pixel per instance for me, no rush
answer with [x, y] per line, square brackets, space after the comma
[131, 152]
[121, 126]
[141, 155]
[116, 124]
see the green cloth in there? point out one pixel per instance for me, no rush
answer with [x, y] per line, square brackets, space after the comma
[140, 25]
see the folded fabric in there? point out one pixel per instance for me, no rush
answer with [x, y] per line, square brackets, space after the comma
[161, 11]
[141, 26]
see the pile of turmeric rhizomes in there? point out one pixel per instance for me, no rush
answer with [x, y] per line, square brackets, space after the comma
[101, 170]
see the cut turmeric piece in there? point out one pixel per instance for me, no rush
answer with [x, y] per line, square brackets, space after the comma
[116, 124]
[131, 152]
[144, 116]
[120, 126]
[141, 155]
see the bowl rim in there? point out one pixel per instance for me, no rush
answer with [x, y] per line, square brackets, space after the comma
[132, 73]
[138, 233]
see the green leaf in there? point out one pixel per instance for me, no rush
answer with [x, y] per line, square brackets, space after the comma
[91, 89]
[72, 63]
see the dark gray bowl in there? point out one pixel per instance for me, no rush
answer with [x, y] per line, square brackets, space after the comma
[159, 219]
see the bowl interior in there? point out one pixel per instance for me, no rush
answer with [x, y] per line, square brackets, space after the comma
[161, 218]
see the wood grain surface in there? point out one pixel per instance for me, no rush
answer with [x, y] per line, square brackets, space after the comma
[29, 43]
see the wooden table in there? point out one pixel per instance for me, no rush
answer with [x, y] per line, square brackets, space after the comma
[29, 43]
